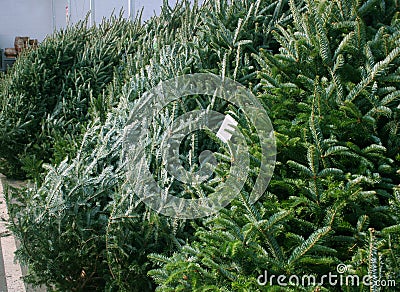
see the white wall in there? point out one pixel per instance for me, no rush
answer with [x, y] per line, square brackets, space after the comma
[151, 7]
[102, 8]
[35, 18]
[24, 18]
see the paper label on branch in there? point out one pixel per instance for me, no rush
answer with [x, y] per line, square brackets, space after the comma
[226, 129]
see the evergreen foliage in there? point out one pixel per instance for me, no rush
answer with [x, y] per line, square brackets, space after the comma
[334, 106]
[328, 74]
[88, 206]
[46, 95]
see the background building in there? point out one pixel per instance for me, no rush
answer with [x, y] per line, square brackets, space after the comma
[39, 18]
